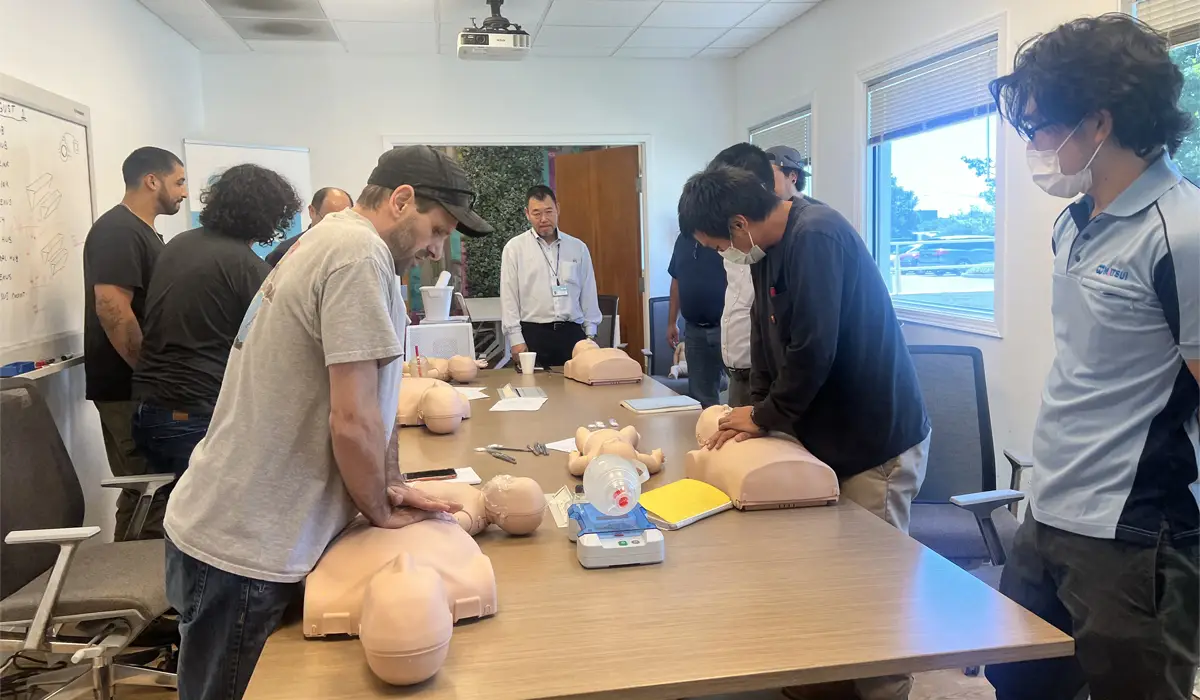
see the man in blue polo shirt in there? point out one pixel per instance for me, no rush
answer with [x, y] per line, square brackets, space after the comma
[698, 291]
[1108, 552]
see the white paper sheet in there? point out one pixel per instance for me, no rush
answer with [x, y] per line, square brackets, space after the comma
[471, 392]
[567, 445]
[518, 404]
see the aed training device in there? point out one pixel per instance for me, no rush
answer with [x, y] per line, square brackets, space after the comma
[603, 541]
[497, 40]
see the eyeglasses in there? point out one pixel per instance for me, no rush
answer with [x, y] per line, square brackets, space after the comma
[1028, 130]
[466, 198]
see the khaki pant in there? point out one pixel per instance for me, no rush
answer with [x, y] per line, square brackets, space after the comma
[116, 424]
[887, 491]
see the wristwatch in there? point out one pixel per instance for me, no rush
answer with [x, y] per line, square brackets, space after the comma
[755, 420]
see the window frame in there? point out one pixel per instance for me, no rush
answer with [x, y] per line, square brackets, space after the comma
[806, 111]
[995, 26]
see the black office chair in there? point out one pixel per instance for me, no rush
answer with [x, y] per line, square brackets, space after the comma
[959, 513]
[606, 334]
[659, 355]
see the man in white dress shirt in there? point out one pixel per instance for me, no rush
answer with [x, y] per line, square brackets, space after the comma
[547, 285]
[784, 169]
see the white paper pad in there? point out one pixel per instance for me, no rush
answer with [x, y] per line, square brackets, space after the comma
[471, 392]
[518, 404]
[567, 445]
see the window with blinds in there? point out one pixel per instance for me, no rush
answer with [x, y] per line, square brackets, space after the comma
[789, 130]
[943, 90]
[1179, 20]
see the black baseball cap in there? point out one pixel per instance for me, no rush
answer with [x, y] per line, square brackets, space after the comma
[434, 175]
[786, 157]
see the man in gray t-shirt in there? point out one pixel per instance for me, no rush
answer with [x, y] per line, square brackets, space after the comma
[298, 436]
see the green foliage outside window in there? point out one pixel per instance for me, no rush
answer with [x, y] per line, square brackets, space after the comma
[501, 175]
[1187, 57]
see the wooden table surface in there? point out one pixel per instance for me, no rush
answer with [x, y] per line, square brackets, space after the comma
[744, 601]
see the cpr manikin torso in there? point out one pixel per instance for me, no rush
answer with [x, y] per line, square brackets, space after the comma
[592, 364]
[402, 590]
[459, 368]
[590, 444]
[767, 472]
[431, 403]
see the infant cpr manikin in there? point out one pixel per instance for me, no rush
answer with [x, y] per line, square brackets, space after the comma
[401, 591]
[431, 403]
[592, 364]
[459, 368]
[767, 472]
[590, 444]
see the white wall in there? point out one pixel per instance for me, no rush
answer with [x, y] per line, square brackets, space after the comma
[142, 83]
[817, 60]
[341, 107]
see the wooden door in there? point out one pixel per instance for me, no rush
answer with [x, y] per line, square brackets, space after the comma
[599, 203]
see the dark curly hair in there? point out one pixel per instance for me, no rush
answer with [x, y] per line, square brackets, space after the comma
[249, 203]
[1112, 62]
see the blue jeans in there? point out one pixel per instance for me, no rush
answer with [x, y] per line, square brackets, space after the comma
[166, 438]
[224, 622]
[702, 347]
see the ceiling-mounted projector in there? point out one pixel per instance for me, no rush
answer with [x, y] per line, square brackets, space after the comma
[497, 40]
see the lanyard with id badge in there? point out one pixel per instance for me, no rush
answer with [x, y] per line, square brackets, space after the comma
[558, 290]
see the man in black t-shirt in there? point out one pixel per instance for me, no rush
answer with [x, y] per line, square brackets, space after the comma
[698, 291]
[205, 280]
[326, 201]
[118, 259]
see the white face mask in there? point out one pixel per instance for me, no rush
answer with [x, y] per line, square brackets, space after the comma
[738, 257]
[1048, 174]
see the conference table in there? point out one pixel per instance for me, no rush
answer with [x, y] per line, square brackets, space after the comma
[744, 600]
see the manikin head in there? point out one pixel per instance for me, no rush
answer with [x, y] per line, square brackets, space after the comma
[541, 209]
[788, 167]
[731, 211]
[1096, 99]
[415, 198]
[249, 203]
[154, 180]
[583, 346]
[326, 201]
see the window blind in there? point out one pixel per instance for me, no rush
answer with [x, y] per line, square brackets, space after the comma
[1178, 19]
[943, 90]
[791, 130]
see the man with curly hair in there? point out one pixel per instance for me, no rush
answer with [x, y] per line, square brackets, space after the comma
[1108, 551]
[201, 287]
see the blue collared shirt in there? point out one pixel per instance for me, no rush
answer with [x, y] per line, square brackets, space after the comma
[1116, 445]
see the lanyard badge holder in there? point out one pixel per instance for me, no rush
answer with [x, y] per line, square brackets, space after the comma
[558, 289]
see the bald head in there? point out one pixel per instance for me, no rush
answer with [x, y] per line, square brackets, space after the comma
[327, 200]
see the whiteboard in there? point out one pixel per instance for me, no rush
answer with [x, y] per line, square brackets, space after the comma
[205, 161]
[47, 206]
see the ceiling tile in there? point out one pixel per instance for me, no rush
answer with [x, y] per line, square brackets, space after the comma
[379, 10]
[581, 37]
[569, 52]
[179, 8]
[293, 47]
[720, 53]
[629, 52]
[600, 13]
[741, 38]
[214, 45]
[388, 37]
[692, 14]
[775, 14]
[284, 29]
[664, 38]
[289, 9]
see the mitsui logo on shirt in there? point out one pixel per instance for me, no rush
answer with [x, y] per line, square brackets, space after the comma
[1108, 271]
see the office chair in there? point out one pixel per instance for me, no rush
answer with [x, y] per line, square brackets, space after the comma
[606, 334]
[72, 609]
[659, 355]
[958, 512]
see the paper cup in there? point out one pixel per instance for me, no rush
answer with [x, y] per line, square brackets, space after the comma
[528, 362]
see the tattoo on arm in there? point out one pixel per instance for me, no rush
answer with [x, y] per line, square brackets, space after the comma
[114, 307]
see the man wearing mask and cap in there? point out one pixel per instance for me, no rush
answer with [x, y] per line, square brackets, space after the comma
[1109, 551]
[300, 429]
[829, 364]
